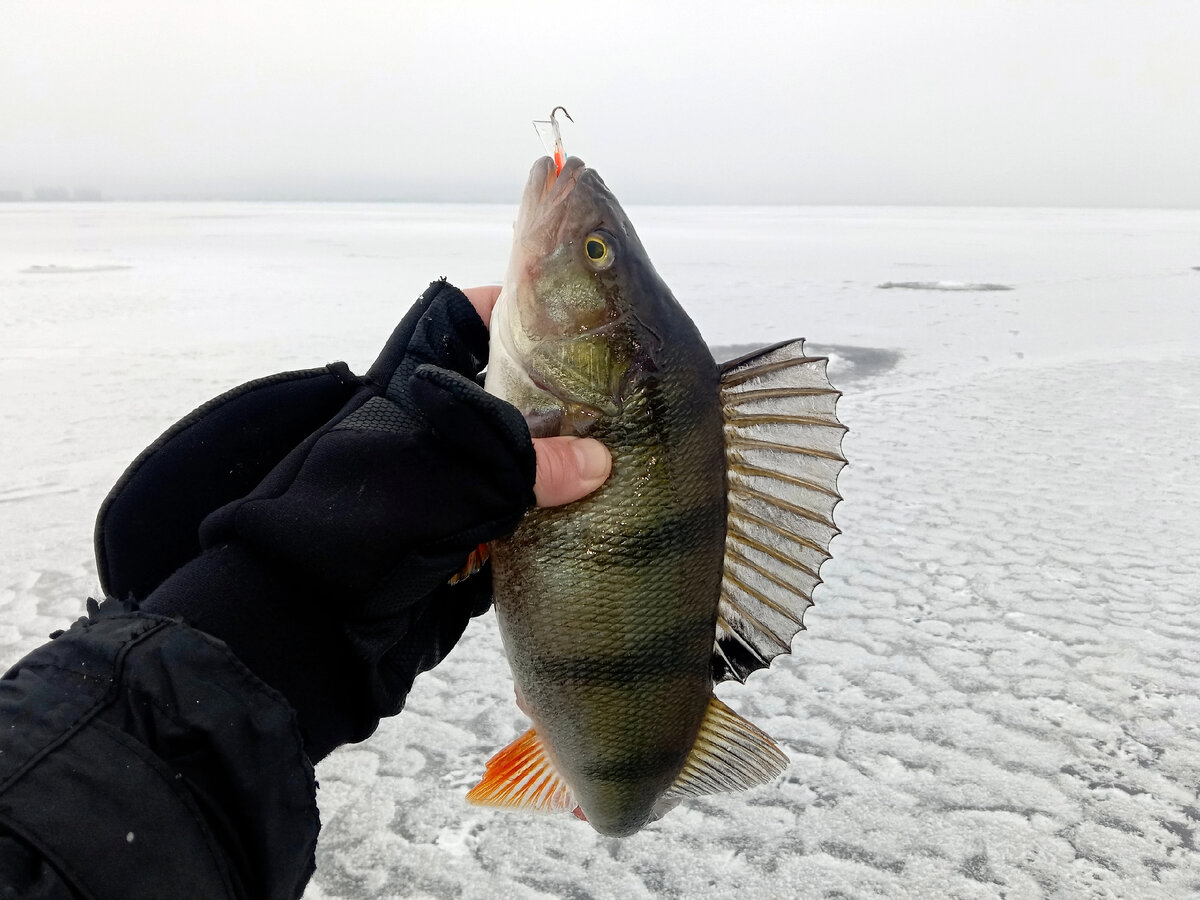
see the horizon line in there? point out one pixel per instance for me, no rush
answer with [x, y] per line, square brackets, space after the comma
[14, 198]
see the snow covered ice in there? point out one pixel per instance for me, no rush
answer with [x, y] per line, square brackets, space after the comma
[999, 691]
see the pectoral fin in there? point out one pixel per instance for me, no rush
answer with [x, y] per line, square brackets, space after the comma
[521, 775]
[783, 455]
[730, 754]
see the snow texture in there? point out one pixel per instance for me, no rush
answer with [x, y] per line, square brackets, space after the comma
[999, 691]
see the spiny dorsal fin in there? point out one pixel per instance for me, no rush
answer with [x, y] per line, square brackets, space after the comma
[783, 451]
[521, 775]
[730, 754]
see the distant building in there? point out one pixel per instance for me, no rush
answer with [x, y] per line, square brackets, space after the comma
[51, 194]
[11, 196]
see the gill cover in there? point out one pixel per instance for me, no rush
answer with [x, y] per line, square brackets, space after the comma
[567, 319]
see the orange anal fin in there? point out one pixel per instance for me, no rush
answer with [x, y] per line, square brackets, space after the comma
[578, 813]
[473, 564]
[521, 776]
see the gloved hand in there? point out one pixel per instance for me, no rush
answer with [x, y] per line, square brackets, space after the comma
[330, 578]
[149, 524]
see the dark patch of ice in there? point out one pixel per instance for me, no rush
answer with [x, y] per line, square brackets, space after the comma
[1119, 825]
[1157, 867]
[979, 868]
[946, 285]
[846, 363]
[1186, 835]
[1095, 784]
[849, 852]
[70, 270]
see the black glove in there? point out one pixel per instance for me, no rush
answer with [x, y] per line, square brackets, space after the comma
[330, 579]
[149, 525]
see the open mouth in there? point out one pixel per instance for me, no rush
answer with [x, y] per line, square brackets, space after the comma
[557, 186]
[543, 215]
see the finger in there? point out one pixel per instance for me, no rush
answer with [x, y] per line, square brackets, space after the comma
[479, 424]
[437, 330]
[569, 468]
[483, 299]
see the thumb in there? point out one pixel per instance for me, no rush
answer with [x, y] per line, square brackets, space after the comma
[568, 468]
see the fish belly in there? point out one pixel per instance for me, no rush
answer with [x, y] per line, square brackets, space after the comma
[608, 608]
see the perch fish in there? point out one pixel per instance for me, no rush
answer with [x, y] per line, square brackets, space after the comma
[693, 563]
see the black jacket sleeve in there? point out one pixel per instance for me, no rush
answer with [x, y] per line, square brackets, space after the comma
[140, 755]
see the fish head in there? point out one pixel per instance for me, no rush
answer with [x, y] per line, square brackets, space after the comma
[575, 329]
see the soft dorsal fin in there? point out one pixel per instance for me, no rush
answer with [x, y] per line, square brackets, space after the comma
[783, 452]
[730, 754]
[521, 775]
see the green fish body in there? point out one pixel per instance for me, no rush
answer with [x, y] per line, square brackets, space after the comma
[611, 608]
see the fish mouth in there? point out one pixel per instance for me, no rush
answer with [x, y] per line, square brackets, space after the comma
[545, 176]
[543, 218]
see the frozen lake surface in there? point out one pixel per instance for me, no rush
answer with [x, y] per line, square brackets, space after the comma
[999, 691]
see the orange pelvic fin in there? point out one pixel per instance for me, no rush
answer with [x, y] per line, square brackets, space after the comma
[473, 564]
[521, 775]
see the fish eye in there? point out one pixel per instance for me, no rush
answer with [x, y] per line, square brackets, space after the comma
[598, 251]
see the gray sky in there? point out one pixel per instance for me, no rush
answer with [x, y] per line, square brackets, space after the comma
[1050, 102]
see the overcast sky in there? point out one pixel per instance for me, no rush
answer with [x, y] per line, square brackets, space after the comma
[1048, 102]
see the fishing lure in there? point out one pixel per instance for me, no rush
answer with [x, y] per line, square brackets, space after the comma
[551, 136]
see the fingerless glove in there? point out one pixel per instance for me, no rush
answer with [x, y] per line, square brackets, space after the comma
[330, 579]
